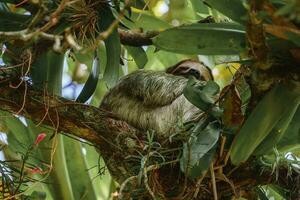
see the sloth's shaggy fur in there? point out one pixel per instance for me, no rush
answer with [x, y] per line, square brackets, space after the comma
[150, 100]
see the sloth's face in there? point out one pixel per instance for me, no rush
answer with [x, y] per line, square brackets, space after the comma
[188, 68]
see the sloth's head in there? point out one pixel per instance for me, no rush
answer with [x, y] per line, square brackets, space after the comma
[189, 67]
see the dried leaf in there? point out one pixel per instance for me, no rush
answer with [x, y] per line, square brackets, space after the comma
[231, 103]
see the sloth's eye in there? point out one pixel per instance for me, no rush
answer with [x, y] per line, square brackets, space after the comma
[194, 73]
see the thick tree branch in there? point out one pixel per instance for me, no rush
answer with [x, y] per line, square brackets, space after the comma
[137, 39]
[83, 121]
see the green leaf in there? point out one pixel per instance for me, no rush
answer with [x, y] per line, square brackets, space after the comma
[264, 118]
[59, 174]
[293, 37]
[206, 39]
[12, 21]
[75, 159]
[292, 134]
[234, 9]
[145, 21]
[37, 196]
[203, 95]
[101, 179]
[199, 7]
[47, 71]
[203, 164]
[112, 46]
[91, 84]
[139, 56]
[199, 151]
[18, 137]
[262, 194]
[3, 7]
[279, 129]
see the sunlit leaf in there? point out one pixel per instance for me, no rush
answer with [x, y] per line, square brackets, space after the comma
[75, 159]
[233, 9]
[139, 56]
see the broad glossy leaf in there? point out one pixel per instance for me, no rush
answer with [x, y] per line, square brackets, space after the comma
[59, 173]
[279, 130]
[203, 164]
[264, 118]
[47, 71]
[234, 9]
[112, 46]
[139, 56]
[205, 39]
[101, 179]
[292, 135]
[76, 164]
[202, 95]
[197, 153]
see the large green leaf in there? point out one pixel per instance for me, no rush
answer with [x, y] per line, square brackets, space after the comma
[203, 96]
[47, 71]
[206, 39]
[102, 181]
[279, 129]
[81, 185]
[199, 151]
[112, 46]
[59, 174]
[266, 116]
[234, 9]
[292, 134]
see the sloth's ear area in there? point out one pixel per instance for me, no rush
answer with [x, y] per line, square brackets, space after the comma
[189, 67]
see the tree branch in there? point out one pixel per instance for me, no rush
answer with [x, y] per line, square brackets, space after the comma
[137, 39]
[83, 121]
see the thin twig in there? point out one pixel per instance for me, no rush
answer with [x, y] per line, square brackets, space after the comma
[213, 180]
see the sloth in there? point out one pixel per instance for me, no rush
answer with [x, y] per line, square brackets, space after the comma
[143, 102]
[151, 100]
